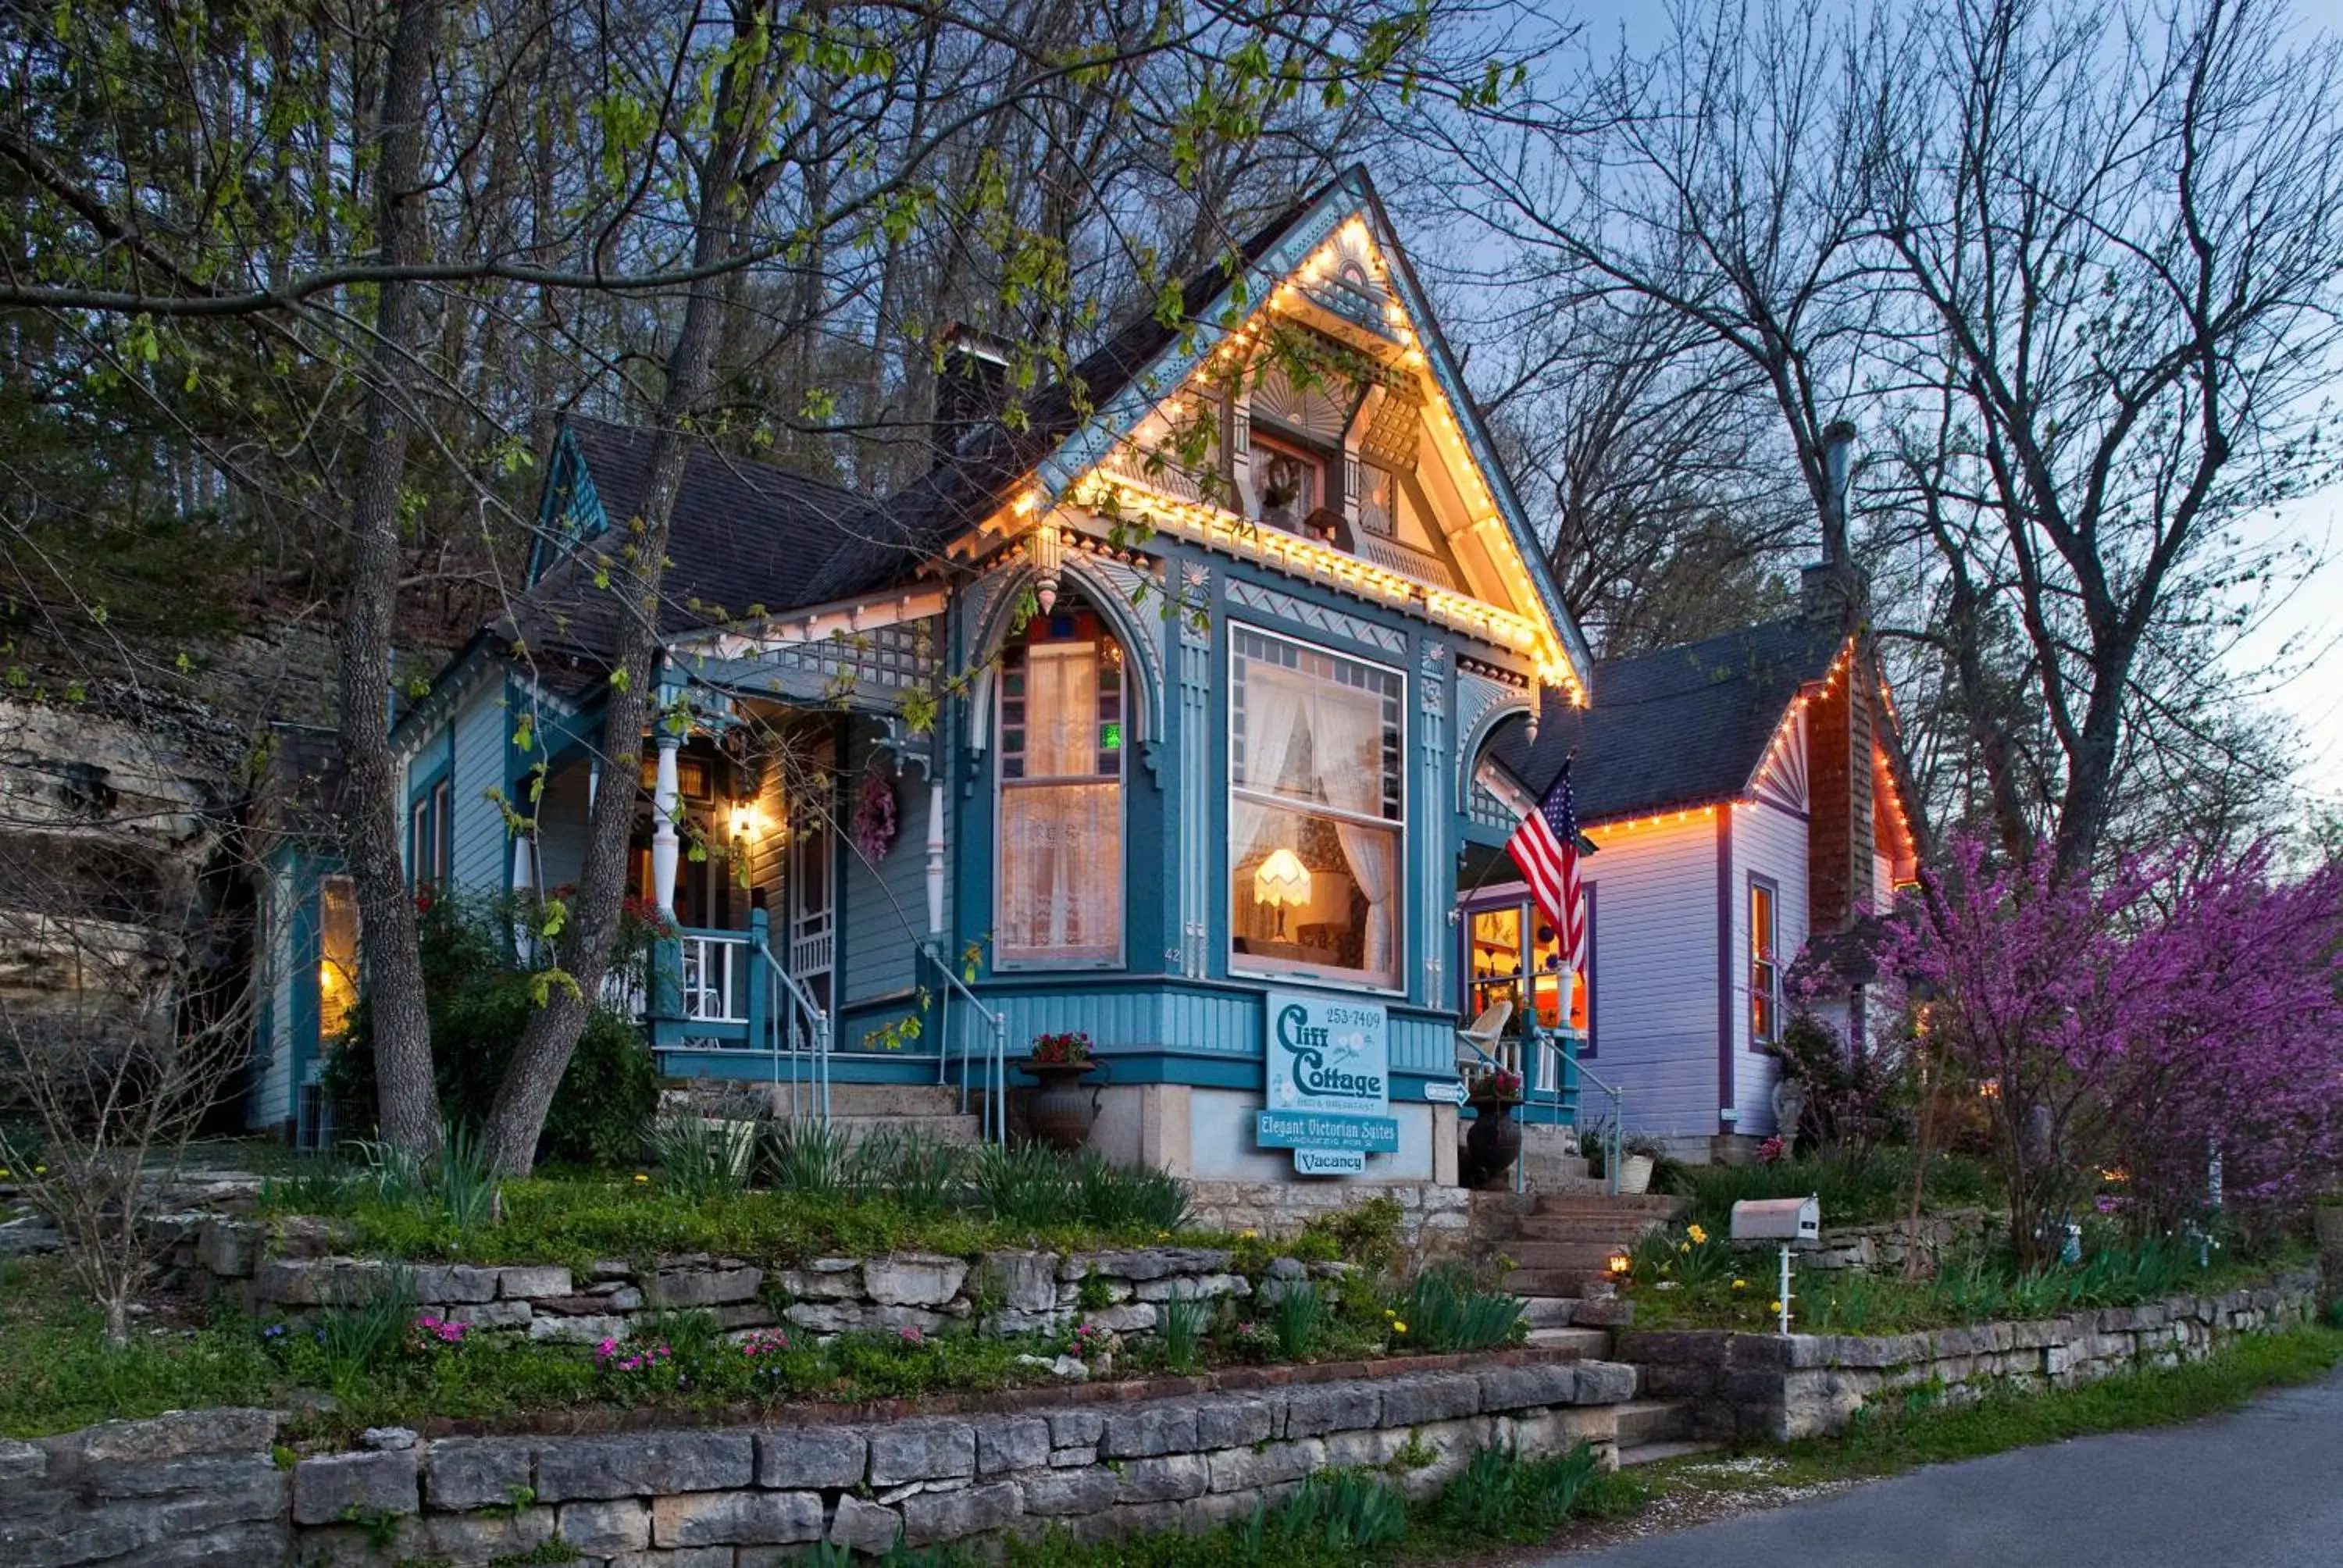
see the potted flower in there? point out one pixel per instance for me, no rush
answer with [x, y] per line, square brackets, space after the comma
[1495, 1141]
[1639, 1156]
[1061, 1112]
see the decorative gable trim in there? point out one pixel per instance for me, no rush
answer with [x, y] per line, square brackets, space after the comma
[1273, 279]
[1317, 617]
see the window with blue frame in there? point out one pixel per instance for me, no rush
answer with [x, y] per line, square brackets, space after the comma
[1060, 744]
[430, 829]
[1316, 811]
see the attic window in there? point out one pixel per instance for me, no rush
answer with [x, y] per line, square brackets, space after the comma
[1291, 482]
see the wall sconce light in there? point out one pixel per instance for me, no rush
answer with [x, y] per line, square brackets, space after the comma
[1281, 881]
[745, 820]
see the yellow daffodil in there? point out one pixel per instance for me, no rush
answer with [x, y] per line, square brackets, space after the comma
[4, 1175]
[40, 1170]
[1398, 1327]
[640, 1177]
[1740, 1284]
[1248, 1235]
[1698, 1234]
[1772, 1306]
[1683, 1246]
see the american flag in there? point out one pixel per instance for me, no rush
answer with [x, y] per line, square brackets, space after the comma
[1545, 847]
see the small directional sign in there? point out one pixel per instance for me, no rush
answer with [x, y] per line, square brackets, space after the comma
[1441, 1092]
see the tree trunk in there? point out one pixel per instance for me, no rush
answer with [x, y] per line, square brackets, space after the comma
[398, 1020]
[518, 1117]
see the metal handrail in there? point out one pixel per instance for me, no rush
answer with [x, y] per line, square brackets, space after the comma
[997, 1110]
[818, 1029]
[1618, 1122]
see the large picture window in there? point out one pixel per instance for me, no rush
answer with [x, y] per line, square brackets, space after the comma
[1060, 749]
[1314, 811]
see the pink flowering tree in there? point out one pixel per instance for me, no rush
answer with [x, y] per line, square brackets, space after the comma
[2182, 1009]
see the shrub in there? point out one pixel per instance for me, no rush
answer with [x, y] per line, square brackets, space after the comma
[480, 1000]
[806, 1158]
[701, 1158]
[1366, 1234]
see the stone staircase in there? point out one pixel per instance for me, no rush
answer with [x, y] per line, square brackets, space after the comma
[1561, 1251]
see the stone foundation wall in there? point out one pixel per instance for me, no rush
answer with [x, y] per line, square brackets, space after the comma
[204, 1488]
[1000, 1293]
[1429, 1215]
[1785, 1386]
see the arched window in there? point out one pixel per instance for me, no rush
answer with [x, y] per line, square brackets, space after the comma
[1059, 743]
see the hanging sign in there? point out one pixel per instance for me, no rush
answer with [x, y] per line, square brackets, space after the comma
[1328, 1075]
[1330, 1163]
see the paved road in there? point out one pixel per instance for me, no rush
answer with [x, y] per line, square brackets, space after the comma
[2261, 1488]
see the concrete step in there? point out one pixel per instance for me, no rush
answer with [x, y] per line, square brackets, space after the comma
[1591, 1257]
[1606, 1228]
[1652, 1452]
[1548, 1312]
[1643, 1421]
[898, 1099]
[1579, 1283]
[964, 1129]
[1661, 1205]
[1591, 1344]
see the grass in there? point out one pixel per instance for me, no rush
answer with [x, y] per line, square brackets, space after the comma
[1855, 1189]
[893, 1193]
[1688, 1277]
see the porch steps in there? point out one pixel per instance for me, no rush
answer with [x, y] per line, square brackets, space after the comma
[1651, 1430]
[931, 1111]
[1591, 1344]
[1562, 1247]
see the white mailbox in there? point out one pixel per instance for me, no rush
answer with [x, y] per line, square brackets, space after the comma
[1792, 1222]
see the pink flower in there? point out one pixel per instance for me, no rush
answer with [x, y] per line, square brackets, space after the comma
[913, 1337]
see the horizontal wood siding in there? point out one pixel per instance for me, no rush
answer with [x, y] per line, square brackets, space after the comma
[1655, 996]
[477, 852]
[885, 907]
[1771, 844]
[272, 1101]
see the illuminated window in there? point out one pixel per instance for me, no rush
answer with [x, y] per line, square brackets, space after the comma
[1765, 968]
[1061, 730]
[337, 955]
[1313, 811]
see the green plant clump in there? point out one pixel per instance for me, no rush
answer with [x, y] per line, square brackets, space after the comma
[480, 1000]
[1445, 1311]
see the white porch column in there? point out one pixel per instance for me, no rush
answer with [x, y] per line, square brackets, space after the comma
[935, 860]
[666, 849]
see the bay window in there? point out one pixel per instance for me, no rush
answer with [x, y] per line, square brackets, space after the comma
[1060, 751]
[1314, 811]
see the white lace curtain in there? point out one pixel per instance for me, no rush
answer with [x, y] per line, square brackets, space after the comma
[1343, 727]
[1061, 842]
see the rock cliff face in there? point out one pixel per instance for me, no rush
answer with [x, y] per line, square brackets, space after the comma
[127, 807]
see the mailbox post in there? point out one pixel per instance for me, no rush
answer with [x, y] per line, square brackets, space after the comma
[1792, 1222]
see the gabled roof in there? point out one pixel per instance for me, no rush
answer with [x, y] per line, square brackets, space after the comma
[746, 534]
[743, 533]
[1681, 728]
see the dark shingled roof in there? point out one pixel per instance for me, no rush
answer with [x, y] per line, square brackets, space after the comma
[745, 533]
[1680, 728]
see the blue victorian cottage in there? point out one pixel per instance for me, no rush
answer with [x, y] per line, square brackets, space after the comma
[1154, 719]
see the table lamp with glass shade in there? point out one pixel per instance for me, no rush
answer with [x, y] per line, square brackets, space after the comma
[1282, 881]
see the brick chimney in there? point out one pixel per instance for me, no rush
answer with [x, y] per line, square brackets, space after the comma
[1839, 720]
[972, 386]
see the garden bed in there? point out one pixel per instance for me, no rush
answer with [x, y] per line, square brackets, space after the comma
[1754, 1385]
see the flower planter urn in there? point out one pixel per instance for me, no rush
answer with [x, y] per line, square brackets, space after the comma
[1059, 1112]
[1635, 1172]
[1495, 1141]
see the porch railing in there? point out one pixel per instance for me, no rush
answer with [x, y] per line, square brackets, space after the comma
[996, 1066]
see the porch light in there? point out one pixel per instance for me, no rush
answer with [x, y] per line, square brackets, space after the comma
[1621, 1265]
[1281, 881]
[746, 820]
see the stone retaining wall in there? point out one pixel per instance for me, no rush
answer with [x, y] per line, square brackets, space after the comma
[1000, 1293]
[204, 1488]
[1882, 1248]
[1430, 1214]
[1784, 1386]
